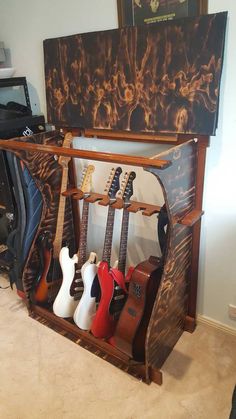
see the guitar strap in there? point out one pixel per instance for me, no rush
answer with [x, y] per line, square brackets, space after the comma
[118, 276]
[15, 238]
[34, 204]
[8, 214]
[162, 234]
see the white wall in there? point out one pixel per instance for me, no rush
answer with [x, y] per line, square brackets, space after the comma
[217, 286]
[25, 24]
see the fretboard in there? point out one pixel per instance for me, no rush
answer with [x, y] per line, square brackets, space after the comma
[57, 244]
[123, 241]
[106, 256]
[83, 234]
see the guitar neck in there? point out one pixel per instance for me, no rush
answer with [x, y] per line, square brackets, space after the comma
[57, 244]
[123, 241]
[106, 256]
[83, 234]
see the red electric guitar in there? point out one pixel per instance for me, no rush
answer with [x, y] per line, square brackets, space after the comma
[112, 283]
[119, 297]
[101, 322]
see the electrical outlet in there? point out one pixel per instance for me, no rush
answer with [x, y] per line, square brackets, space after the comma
[232, 311]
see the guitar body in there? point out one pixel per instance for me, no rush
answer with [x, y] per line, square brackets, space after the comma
[50, 276]
[103, 324]
[86, 309]
[64, 304]
[49, 279]
[132, 326]
[42, 287]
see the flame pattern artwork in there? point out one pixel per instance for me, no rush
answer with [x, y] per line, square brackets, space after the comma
[161, 78]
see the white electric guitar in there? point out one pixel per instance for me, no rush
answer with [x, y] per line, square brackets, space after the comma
[72, 284]
[86, 309]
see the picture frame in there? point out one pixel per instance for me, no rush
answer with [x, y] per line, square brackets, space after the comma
[138, 12]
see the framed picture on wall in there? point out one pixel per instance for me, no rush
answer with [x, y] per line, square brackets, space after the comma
[138, 12]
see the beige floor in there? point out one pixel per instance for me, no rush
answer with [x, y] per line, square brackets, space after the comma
[43, 375]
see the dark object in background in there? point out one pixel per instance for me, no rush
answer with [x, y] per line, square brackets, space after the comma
[20, 200]
[150, 11]
[13, 110]
[15, 106]
[16, 117]
[29, 209]
[23, 126]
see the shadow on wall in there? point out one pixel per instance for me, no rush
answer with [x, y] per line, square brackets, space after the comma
[214, 156]
[34, 99]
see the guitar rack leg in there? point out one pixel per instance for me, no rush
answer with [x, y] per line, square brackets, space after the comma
[155, 375]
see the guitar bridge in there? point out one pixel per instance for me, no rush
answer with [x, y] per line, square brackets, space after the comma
[78, 280]
[79, 289]
[132, 312]
[119, 297]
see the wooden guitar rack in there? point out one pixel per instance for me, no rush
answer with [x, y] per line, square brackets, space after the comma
[134, 206]
[180, 171]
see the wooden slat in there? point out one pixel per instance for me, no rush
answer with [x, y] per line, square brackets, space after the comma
[131, 136]
[87, 336]
[96, 346]
[135, 206]
[191, 218]
[83, 154]
[170, 138]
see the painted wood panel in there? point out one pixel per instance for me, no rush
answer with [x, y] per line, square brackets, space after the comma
[161, 78]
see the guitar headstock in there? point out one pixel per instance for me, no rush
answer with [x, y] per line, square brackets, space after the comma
[126, 190]
[63, 161]
[86, 184]
[113, 183]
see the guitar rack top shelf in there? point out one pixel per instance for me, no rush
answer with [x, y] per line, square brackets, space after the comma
[134, 206]
[91, 155]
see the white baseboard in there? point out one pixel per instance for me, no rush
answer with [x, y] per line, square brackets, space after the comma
[217, 325]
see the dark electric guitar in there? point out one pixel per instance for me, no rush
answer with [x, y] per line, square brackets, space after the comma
[49, 279]
[102, 326]
[119, 296]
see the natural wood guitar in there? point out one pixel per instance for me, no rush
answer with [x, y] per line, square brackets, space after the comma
[132, 325]
[49, 279]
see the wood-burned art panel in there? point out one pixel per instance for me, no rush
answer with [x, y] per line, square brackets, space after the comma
[161, 78]
[170, 308]
[47, 174]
